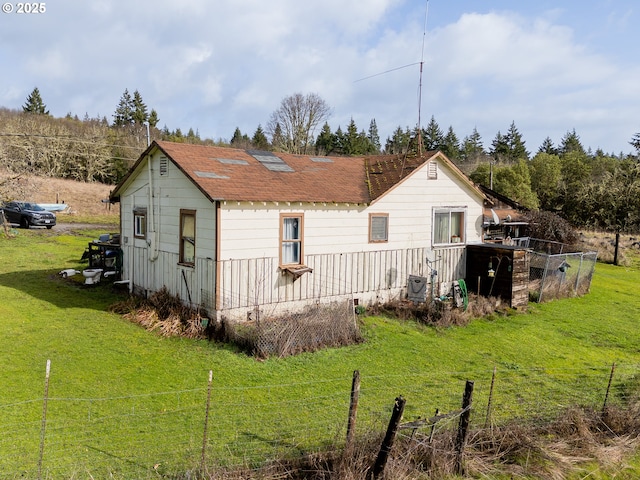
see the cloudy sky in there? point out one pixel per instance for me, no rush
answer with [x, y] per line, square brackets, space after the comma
[550, 66]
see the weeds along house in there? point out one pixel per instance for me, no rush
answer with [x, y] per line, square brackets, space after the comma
[237, 232]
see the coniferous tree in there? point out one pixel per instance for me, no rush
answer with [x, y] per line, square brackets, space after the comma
[350, 144]
[399, 142]
[259, 139]
[548, 147]
[277, 138]
[499, 148]
[193, 137]
[374, 137]
[139, 113]
[239, 139]
[635, 142]
[35, 104]
[339, 141]
[123, 115]
[451, 145]
[472, 148]
[432, 136]
[517, 150]
[153, 118]
[571, 143]
[325, 143]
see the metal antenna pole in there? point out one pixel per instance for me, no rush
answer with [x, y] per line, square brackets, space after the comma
[424, 36]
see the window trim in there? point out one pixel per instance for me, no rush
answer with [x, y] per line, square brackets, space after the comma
[282, 240]
[183, 213]
[450, 210]
[141, 213]
[373, 216]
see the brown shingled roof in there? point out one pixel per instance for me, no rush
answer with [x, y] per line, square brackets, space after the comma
[386, 171]
[336, 179]
[232, 174]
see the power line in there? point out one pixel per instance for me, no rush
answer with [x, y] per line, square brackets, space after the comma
[387, 71]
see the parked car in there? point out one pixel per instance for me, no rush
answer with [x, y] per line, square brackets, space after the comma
[28, 214]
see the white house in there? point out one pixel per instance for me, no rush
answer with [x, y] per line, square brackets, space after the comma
[234, 232]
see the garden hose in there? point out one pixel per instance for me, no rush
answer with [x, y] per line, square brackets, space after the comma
[465, 295]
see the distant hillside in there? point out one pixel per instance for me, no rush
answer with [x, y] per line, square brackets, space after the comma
[83, 198]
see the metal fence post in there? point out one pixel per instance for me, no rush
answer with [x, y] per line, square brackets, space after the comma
[43, 428]
[206, 424]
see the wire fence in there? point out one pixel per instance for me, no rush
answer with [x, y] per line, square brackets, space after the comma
[555, 271]
[210, 426]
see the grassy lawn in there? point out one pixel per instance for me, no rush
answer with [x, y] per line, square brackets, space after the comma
[128, 403]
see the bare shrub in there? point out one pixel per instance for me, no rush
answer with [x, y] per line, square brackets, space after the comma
[316, 328]
[163, 312]
[554, 449]
[439, 313]
[549, 226]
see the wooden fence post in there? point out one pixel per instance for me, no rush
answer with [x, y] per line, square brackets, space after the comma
[389, 438]
[353, 412]
[463, 426]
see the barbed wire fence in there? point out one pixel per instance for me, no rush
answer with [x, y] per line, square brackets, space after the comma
[193, 431]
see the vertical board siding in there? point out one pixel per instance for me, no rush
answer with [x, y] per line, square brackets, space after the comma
[245, 284]
[259, 282]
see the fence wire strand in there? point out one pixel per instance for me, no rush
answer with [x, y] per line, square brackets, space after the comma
[143, 435]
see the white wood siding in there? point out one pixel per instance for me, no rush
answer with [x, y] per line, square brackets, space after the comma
[336, 244]
[150, 270]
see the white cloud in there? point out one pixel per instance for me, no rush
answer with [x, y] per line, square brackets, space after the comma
[218, 65]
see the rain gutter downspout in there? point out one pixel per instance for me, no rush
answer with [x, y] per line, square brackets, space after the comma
[153, 241]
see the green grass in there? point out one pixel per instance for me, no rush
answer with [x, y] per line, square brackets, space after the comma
[124, 400]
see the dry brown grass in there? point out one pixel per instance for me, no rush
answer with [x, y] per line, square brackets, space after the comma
[164, 313]
[570, 446]
[84, 199]
[604, 244]
[441, 314]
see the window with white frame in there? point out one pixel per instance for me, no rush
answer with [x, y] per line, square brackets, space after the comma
[187, 237]
[140, 223]
[448, 226]
[291, 239]
[378, 227]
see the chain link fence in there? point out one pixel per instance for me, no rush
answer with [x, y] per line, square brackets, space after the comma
[557, 272]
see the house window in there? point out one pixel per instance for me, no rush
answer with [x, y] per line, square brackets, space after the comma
[448, 226]
[291, 239]
[187, 237]
[378, 227]
[140, 223]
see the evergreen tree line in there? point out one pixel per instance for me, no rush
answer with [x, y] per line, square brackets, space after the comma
[590, 189]
[587, 188]
[88, 149]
